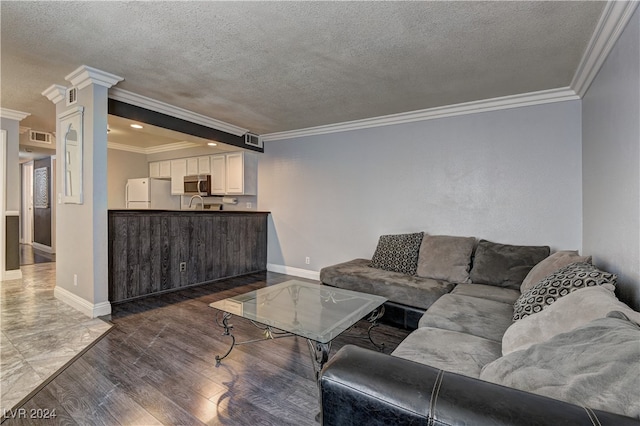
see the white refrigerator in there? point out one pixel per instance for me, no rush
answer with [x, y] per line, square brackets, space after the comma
[148, 193]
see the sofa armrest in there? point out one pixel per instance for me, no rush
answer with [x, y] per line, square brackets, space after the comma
[359, 386]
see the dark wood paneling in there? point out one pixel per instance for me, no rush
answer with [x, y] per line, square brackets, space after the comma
[12, 244]
[42, 216]
[147, 247]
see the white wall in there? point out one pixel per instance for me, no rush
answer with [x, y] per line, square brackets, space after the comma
[511, 176]
[82, 243]
[12, 167]
[611, 178]
[123, 165]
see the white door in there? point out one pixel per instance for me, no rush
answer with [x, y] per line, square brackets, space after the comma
[27, 203]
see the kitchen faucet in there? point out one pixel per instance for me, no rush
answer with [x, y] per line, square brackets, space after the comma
[201, 201]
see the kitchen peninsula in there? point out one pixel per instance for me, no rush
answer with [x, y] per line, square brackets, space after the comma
[156, 251]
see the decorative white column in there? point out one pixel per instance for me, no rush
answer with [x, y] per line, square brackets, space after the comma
[81, 225]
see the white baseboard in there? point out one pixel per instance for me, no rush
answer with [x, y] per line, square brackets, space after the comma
[42, 247]
[297, 272]
[14, 274]
[78, 303]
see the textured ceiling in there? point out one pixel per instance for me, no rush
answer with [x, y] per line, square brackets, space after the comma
[276, 66]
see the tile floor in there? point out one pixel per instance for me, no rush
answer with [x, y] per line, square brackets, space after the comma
[38, 333]
[29, 255]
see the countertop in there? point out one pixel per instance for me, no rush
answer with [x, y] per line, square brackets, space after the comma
[205, 211]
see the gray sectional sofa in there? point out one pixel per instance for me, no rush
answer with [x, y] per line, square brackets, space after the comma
[491, 316]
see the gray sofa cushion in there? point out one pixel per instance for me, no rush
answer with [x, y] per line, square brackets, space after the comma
[398, 253]
[490, 292]
[448, 350]
[595, 365]
[479, 317]
[444, 257]
[505, 265]
[405, 289]
[548, 266]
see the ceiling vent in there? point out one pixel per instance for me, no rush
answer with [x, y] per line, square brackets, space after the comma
[72, 95]
[253, 140]
[41, 137]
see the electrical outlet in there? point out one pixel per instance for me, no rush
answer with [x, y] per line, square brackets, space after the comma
[249, 205]
[75, 279]
[183, 266]
[307, 260]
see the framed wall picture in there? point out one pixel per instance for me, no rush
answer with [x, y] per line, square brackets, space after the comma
[41, 188]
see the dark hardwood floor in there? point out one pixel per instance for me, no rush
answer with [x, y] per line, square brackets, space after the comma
[157, 366]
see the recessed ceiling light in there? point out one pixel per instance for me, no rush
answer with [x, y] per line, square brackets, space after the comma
[136, 126]
[212, 144]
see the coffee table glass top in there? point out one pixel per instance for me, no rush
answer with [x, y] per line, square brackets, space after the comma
[314, 311]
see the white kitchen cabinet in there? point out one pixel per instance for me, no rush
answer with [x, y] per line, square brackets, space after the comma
[178, 172]
[218, 174]
[192, 166]
[204, 168]
[198, 166]
[154, 169]
[235, 173]
[160, 169]
[165, 169]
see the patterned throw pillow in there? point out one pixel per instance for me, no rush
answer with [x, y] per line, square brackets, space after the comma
[398, 253]
[560, 283]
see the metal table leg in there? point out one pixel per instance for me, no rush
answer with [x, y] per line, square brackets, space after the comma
[319, 357]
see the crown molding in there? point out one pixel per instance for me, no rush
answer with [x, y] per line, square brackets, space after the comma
[84, 76]
[614, 19]
[128, 148]
[154, 149]
[505, 102]
[174, 111]
[12, 114]
[55, 93]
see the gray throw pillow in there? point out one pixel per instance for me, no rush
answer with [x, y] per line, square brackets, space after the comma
[505, 265]
[559, 284]
[444, 257]
[398, 253]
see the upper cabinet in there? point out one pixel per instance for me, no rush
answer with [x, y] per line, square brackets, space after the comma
[198, 166]
[218, 174]
[178, 172]
[160, 169]
[235, 173]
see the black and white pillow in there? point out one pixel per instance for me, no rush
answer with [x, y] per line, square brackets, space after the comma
[398, 253]
[562, 282]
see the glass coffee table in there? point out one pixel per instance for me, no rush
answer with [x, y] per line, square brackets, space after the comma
[316, 312]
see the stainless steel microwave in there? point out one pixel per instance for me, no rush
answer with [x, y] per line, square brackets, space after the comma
[197, 185]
